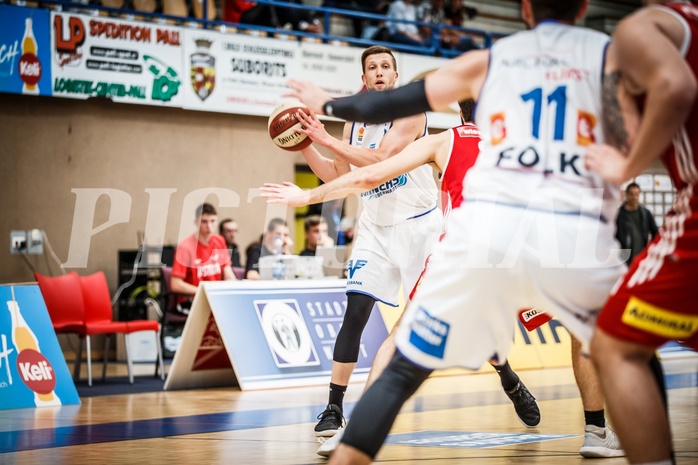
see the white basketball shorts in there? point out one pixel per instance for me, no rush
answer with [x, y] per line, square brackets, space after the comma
[495, 260]
[383, 257]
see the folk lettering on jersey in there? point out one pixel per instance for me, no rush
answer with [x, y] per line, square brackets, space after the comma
[529, 158]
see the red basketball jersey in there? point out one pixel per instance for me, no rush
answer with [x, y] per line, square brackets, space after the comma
[656, 301]
[464, 152]
[681, 159]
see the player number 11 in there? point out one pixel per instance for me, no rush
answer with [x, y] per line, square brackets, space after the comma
[559, 97]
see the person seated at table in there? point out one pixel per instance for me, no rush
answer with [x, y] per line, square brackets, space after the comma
[229, 230]
[203, 256]
[315, 235]
[276, 227]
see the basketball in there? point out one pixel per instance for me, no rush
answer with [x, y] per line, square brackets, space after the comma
[282, 125]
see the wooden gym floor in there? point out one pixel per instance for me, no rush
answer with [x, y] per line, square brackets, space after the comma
[452, 420]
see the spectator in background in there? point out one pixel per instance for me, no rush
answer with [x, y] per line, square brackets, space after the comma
[333, 212]
[229, 230]
[297, 19]
[432, 12]
[455, 14]
[404, 33]
[347, 226]
[363, 6]
[276, 226]
[244, 12]
[635, 225]
[200, 257]
[315, 227]
[252, 246]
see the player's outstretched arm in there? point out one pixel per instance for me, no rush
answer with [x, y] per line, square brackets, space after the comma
[402, 132]
[325, 168]
[286, 193]
[418, 153]
[457, 80]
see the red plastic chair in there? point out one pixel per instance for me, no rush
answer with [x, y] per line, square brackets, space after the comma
[99, 320]
[82, 305]
[63, 298]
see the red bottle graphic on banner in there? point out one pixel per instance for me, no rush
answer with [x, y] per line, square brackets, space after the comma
[29, 64]
[34, 369]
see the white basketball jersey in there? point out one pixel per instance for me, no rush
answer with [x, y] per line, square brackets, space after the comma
[539, 108]
[406, 196]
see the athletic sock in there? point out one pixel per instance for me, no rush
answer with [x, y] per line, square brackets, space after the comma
[337, 395]
[507, 376]
[595, 417]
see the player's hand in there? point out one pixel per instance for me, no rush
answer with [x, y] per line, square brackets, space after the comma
[313, 128]
[608, 162]
[311, 95]
[285, 193]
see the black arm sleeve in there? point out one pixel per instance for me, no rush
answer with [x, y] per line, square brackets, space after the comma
[381, 107]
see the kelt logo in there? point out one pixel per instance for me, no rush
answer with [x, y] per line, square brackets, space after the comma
[36, 371]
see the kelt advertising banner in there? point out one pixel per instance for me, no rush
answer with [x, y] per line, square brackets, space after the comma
[25, 64]
[126, 61]
[33, 372]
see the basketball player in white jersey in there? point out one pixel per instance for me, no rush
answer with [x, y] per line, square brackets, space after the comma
[534, 221]
[453, 153]
[399, 223]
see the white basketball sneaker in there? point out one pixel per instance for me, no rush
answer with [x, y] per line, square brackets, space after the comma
[600, 443]
[327, 448]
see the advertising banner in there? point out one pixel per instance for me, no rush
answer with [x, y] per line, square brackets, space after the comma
[415, 67]
[81, 56]
[126, 61]
[336, 69]
[25, 51]
[237, 73]
[275, 333]
[33, 372]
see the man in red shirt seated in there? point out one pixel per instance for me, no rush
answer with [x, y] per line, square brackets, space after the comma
[203, 256]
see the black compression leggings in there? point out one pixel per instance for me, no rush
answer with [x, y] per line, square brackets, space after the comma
[346, 347]
[375, 413]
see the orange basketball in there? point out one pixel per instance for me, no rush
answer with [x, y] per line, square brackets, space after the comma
[282, 127]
